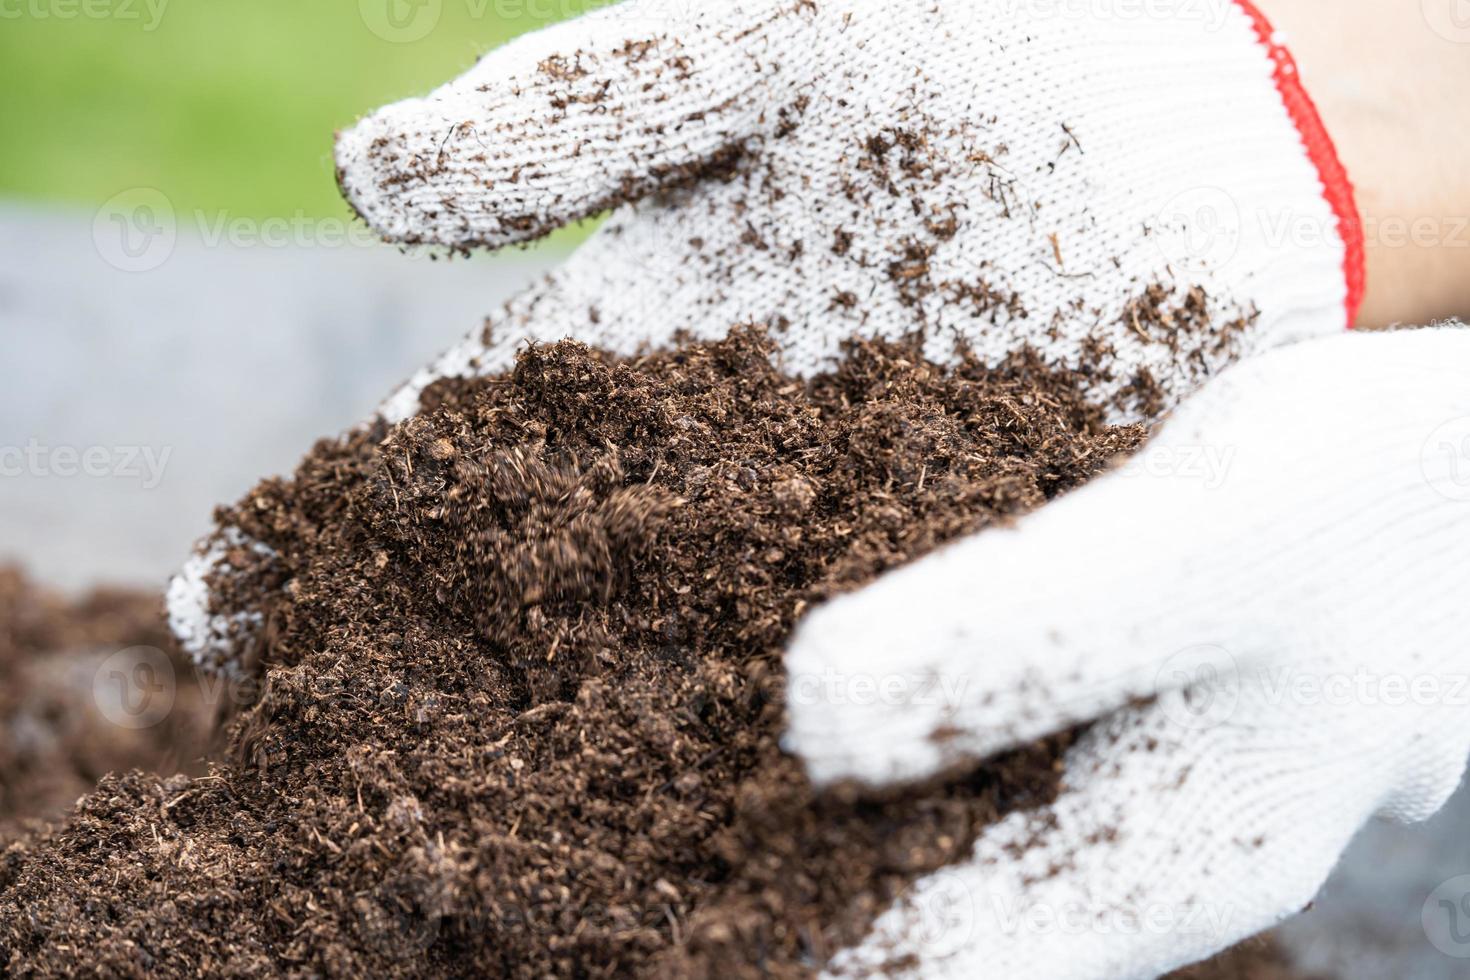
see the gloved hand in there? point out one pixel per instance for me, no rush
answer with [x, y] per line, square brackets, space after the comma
[1124, 192]
[1264, 617]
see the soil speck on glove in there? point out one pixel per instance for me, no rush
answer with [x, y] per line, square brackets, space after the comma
[523, 687]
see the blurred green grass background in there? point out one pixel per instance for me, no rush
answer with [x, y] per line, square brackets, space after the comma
[223, 105]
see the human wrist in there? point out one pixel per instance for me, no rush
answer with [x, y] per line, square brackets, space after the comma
[1365, 64]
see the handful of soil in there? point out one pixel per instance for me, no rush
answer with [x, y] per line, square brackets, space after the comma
[522, 680]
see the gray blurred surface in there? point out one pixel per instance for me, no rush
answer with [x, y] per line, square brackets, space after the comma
[234, 359]
[223, 363]
[1368, 923]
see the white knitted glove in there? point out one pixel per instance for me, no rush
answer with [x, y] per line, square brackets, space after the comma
[1282, 568]
[1143, 193]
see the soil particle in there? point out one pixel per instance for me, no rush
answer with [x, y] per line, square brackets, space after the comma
[523, 681]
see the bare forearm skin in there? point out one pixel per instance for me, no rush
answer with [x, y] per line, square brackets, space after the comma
[1391, 90]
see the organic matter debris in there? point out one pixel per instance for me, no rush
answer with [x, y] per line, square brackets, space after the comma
[522, 682]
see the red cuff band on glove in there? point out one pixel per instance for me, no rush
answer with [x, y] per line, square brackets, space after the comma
[1338, 188]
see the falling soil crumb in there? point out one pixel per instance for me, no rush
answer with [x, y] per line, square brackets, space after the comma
[65, 721]
[523, 681]
[1258, 959]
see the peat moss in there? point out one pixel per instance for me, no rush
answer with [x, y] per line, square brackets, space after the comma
[522, 681]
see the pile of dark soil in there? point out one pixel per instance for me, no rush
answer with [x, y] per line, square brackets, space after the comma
[522, 681]
[54, 741]
[523, 684]
[63, 721]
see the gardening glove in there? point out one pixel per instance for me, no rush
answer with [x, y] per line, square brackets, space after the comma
[1143, 198]
[1262, 616]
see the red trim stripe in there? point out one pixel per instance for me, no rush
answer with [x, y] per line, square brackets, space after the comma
[1337, 186]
